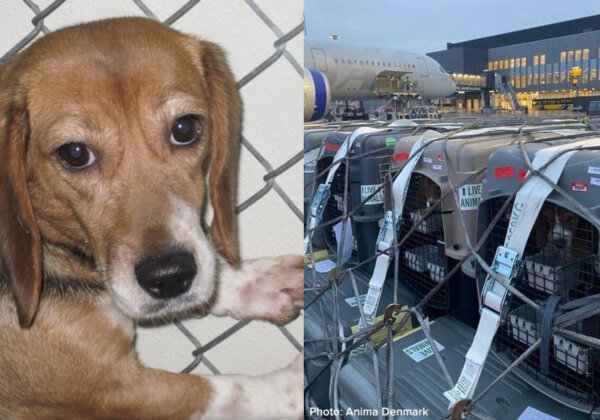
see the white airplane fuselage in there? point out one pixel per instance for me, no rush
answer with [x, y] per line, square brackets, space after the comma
[352, 71]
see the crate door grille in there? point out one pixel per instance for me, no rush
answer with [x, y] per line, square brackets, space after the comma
[560, 258]
[422, 257]
[335, 205]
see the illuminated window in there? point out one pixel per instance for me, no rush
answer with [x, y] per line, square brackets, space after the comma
[570, 56]
[495, 65]
[563, 56]
[584, 76]
[542, 78]
[506, 63]
[501, 65]
[542, 59]
[536, 60]
[517, 82]
[523, 81]
[586, 54]
[512, 63]
[577, 56]
[523, 61]
[593, 74]
[517, 62]
[563, 76]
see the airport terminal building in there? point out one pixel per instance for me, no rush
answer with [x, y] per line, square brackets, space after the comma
[536, 61]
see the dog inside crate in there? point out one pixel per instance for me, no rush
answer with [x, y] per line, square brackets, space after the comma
[560, 258]
[423, 259]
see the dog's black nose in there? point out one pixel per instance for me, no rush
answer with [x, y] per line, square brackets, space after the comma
[560, 243]
[166, 276]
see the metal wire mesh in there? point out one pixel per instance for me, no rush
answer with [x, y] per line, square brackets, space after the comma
[38, 17]
[339, 343]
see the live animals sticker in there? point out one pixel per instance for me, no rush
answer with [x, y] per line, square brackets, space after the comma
[421, 350]
[367, 190]
[469, 196]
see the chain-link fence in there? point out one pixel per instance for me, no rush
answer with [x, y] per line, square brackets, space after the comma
[330, 292]
[257, 17]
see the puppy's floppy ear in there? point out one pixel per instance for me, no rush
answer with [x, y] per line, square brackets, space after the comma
[225, 124]
[20, 242]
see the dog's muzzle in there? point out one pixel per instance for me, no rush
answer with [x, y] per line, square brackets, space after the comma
[166, 276]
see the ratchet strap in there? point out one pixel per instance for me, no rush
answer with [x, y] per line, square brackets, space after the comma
[391, 221]
[527, 205]
[321, 197]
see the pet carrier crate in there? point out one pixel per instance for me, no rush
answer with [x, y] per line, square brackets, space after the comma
[365, 175]
[438, 243]
[314, 135]
[319, 322]
[559, 259]
[419, 383]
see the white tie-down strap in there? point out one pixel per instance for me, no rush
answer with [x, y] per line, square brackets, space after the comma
[390, 225]
[528, 203]
[322, 195]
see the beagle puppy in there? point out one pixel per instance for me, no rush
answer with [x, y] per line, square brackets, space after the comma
[112, 135]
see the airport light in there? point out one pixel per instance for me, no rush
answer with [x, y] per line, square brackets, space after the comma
[334, 37]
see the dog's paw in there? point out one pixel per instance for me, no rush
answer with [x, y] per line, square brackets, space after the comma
[275, 288]
[290, 380]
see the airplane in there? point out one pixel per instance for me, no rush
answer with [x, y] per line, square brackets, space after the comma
[348, 72]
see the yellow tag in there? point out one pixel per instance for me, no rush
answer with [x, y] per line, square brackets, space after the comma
[320, 255]
[380, 336]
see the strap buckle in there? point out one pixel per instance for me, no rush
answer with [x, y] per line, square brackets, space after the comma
[386, 232]
[507, 263]
[317, 206]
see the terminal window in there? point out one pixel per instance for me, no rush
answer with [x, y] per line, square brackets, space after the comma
[570, 57]
[536, 60]
[517, 62]
[563, 56]
[542, 59]
[523, 61]
[577, 56]
[586, 54]
[506, 63]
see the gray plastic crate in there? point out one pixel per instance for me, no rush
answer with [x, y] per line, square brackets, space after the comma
[567, 270]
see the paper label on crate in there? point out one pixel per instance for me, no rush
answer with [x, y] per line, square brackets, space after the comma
[367, 190]
[595, 181]
[504, 172]
[421, 350]
[345, 244]
[595, 170]
[310, 160]
[531, 413]
[437, 167]
[579, 186]
[352, 301]
[400, 156]
[427, 160]
[469, 196]
[332, 147]
[522, 174]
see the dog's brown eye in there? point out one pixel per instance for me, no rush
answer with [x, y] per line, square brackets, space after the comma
[186, 130]
[76, 156]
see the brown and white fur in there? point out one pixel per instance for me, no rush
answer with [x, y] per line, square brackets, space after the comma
[70, 240]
